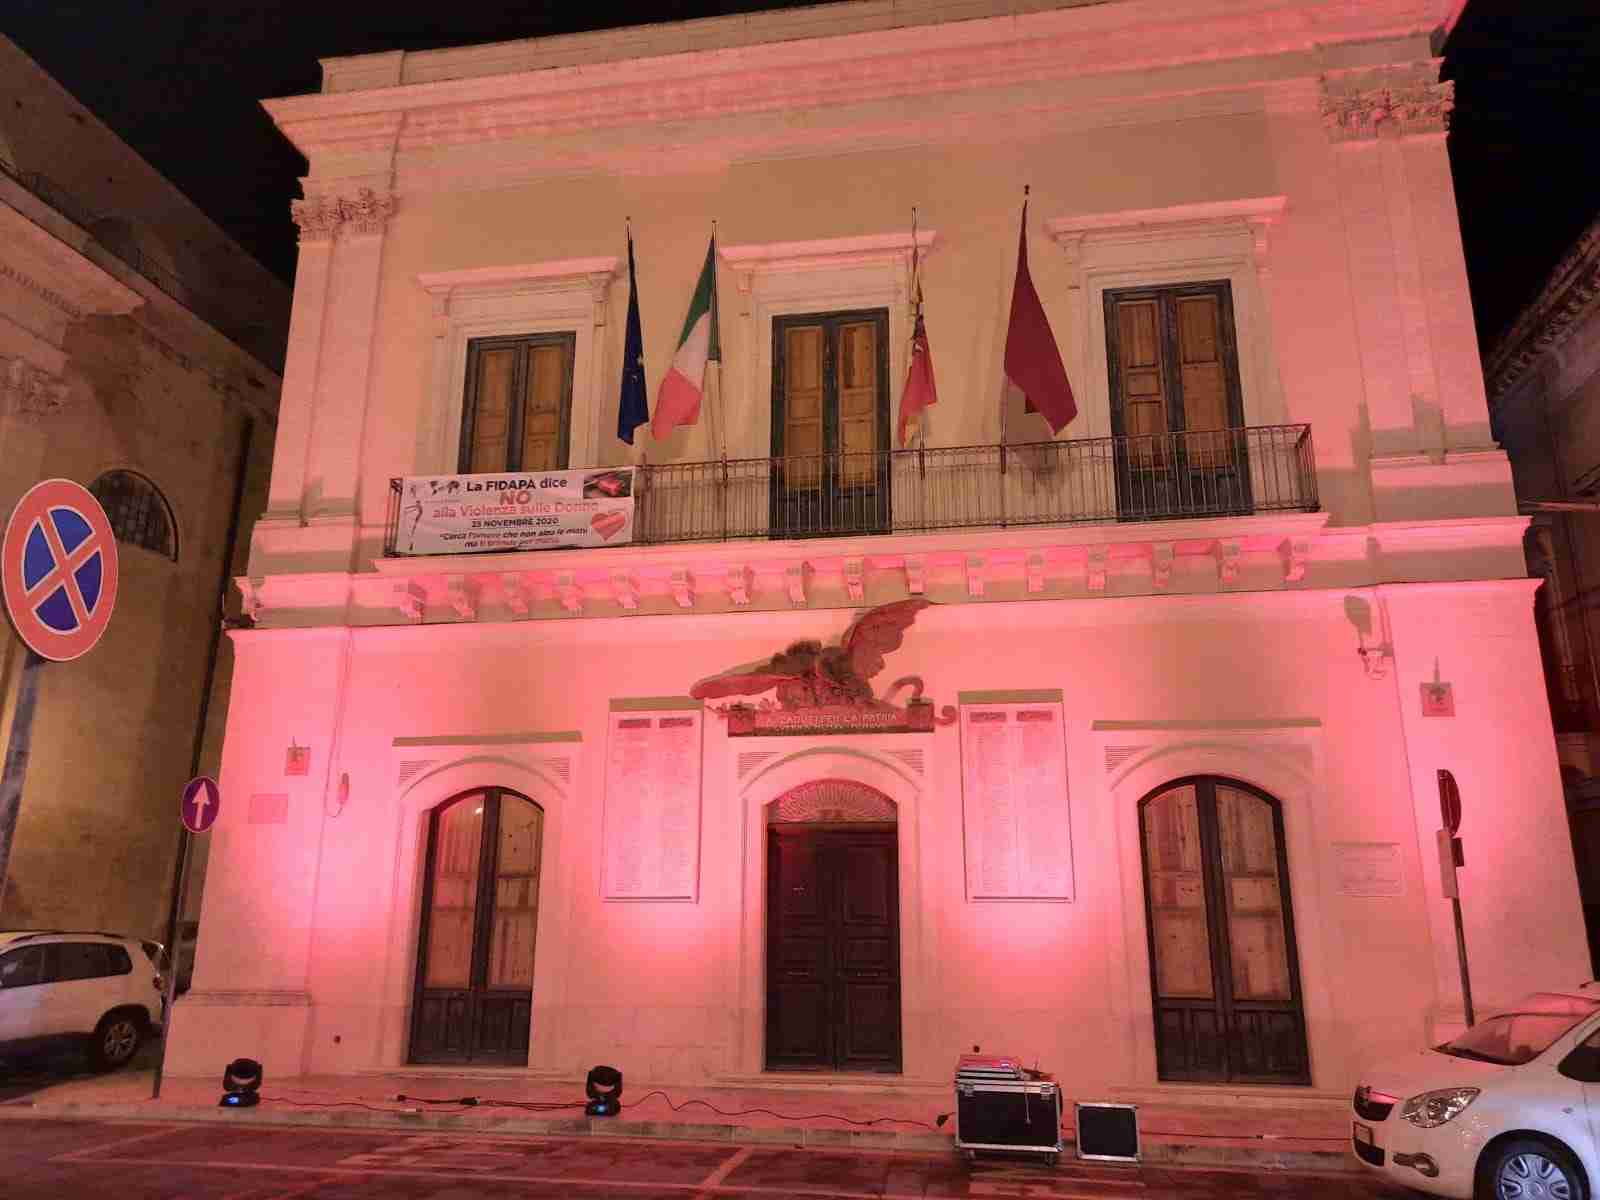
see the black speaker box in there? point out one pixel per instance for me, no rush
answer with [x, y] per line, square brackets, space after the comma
[1108, 1132]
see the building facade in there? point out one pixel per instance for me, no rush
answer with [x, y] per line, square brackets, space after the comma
[1126, 760]
[1544, 388]
[139, 356]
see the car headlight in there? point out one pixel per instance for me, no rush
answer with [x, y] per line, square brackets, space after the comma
[1435, 1108]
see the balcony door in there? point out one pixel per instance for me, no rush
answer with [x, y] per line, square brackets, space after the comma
[1224, 973]
[830, 424]
[480, 915]
[1176, 407]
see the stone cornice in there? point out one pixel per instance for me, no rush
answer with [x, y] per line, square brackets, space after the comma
[1570, 296]
[1406, 100]
[658, 86]
[1266, 554]
[77, 286]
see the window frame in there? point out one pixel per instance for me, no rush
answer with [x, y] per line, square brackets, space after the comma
[522, 343]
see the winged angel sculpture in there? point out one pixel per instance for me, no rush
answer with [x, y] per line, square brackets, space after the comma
[809, 675]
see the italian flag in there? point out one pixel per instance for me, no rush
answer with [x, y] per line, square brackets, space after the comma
[678, 401]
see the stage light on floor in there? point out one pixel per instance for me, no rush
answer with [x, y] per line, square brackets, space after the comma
[241, 1080]
[604, 1088]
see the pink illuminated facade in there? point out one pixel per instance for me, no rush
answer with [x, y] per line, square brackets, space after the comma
[1202, 653]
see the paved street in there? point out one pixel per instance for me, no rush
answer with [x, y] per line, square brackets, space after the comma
[55, 1159]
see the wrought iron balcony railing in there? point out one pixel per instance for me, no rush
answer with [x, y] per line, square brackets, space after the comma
[1094, 480]
[1227, 472]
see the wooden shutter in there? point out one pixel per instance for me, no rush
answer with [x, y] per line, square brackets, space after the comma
[1203, 379]
[493, 380]
[543, 406]
[1174, 865]
[803, 380]
[1144, 398]
[858, 402]
[1253, 896]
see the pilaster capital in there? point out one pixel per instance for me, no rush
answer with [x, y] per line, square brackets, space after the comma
[323, 216]
[1386, 101]
[28, 391]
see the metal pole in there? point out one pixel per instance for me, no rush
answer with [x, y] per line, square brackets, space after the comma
[172, 971]
[16, 766]
[1461, 956]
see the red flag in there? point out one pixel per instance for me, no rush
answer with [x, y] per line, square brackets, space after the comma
[1033, 364]
[920, 392]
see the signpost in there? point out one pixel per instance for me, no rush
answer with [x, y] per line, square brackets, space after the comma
[198, 809]
[1451, 857]
[58, 576]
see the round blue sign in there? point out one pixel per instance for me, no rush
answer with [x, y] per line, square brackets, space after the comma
[201, 802]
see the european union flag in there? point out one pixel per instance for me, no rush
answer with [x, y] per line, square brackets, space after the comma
[633, 410]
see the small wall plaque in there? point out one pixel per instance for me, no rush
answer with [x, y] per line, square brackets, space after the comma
[297, 760]
[1438, 700]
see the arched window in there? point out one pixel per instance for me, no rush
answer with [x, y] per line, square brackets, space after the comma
[1223, 967]
[139, 513]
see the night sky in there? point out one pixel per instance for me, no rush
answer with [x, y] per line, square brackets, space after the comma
[179, 80]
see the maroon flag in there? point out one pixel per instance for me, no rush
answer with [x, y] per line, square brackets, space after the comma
[920, 393]
[1033, 364]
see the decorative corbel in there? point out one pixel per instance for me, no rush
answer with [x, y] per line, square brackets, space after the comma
[916, 575]
[251, 601]
[794, 582]
[855, 580]
[1072, 250]
[568, 592]
[514, 590]
[1293, 553]
[625, 590]
[1226, 552]
[977, 570]
[411, 600]
[1035, 571]
[1097, 568]
[1161, 564]
[739, 586]
[600, 292]
[682, 585]
[463, 595]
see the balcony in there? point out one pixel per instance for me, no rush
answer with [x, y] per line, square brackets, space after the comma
[1229, 472]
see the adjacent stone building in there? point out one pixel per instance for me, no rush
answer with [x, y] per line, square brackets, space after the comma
[139, 355]
[1544, 390]
[809, 750]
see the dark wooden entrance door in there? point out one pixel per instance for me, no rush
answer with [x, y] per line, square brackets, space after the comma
[1223, 967]
[480, 913]
[833, 949]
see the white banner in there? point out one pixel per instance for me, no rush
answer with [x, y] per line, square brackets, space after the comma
[540, 510]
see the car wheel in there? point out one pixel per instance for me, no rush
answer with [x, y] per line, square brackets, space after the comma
[116, 1040]
[1526, 1169]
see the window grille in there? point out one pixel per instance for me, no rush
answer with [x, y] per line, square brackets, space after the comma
[138, 512]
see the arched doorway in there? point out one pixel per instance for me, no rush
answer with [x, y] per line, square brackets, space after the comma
[480, 915]
[1224, 974]
[833, 929]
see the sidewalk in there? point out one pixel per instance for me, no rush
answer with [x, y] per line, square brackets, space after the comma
[807, 1113]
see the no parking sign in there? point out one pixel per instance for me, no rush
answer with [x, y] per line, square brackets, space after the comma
[58, 568]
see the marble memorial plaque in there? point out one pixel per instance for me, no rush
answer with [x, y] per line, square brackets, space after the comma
[1016, 816]
[652, 806]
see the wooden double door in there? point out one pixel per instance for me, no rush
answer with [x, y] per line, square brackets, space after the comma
[833, 949]
[1223, 967]
[480, 914]
[1176, 407]
[830, 424]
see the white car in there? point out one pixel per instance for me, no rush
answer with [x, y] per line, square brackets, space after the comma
[58, 987]
[1508, 1110]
